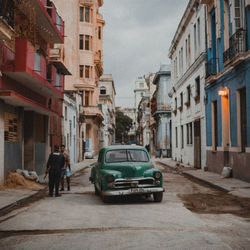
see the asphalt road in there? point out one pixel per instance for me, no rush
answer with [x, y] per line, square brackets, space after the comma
[191, 216]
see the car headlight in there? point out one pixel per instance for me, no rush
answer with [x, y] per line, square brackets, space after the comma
[157, 175]
[110, 178]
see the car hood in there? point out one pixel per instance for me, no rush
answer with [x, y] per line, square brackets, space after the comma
[130, 169]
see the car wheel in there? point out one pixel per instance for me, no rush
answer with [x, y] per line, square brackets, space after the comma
[158, 196]
[96, 191]
[105, 199]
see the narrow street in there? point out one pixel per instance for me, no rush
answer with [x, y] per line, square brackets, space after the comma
[191, 216]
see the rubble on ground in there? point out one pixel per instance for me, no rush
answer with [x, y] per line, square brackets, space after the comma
[29, 175]
[17, 180]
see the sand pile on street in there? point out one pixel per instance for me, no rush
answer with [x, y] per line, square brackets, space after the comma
[15, 180]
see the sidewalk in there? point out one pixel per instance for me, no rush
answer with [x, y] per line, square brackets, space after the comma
[233, 186]
[11, 197]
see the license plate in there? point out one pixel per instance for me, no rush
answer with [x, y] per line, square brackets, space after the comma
[137, 190]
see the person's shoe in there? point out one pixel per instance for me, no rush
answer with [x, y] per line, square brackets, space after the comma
[62, 189]
[68, 188]
[50, 195]
[58, 195]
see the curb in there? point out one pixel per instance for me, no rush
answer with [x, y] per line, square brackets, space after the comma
[4, 210]
[205, 181]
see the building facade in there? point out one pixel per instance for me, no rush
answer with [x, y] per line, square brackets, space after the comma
[162, 112]
[69, 125]
[31, 84]
[188, 58]
[140, 90]
[84, 58]
[228, 87]
[107, 102]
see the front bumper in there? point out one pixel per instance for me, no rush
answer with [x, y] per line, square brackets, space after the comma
[133, 191]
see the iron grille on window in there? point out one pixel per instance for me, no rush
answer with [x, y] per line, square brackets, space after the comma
[237, 45]
[211, 67]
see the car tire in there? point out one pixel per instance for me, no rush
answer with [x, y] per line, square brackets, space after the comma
[105, 199]
[96, 190]
[158, 196]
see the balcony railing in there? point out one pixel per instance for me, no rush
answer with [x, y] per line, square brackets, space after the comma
[30, 68]
[211, 67]
[237, 45]
[7, 11]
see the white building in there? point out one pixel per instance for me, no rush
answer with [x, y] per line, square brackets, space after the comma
[107, 102]
[69, 126]
[130, 112]
[140, 90]
[188, 56]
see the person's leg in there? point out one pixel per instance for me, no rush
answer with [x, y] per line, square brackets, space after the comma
[57, 183]
[62, 183]
[68, 182]
[51, 184]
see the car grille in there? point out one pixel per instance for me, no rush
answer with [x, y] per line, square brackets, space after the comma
[132, 183]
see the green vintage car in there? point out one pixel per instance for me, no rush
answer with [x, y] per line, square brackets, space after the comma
[126, 170]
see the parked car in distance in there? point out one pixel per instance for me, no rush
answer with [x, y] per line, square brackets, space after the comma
[89, 153]
[126, 170]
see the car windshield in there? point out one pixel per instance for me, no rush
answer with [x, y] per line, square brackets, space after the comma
[126, 155]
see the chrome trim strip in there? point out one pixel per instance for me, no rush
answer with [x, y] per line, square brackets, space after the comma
[132, 191]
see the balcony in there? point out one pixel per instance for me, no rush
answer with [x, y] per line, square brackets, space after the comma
[56, 56]
[93, 112]
[211, 67]
[48, 23]
[31, 69]
[237, 46]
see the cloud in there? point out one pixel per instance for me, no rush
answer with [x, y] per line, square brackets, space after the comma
[137, 37]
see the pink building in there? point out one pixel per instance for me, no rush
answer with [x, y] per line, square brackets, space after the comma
[83, 57]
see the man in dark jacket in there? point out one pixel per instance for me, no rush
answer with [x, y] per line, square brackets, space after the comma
[55, 164]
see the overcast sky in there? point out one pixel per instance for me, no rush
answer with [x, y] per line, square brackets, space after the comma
[137, 37]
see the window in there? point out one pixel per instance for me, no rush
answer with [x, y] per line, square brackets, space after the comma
[239, 14]
[198, 34]
[99, 32]
[87, 42]
[81, 39]
[81, 67]
[87, 14]
[189, 128]
[195, 42]
[243, 119]
[176, 137]
[141, 85]
[141, 94]
[103, 91]
[175, 100]
[81, 14]
[86, 98]
[87, 71]
[12, 127]
[189, 50]
[182, 137]
[188, 94]
[74, 121]
[126, 156]
[181, 103]
[197, 87]
[70, 132]
[65, 113]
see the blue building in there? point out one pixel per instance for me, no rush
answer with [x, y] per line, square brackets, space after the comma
[228, 86]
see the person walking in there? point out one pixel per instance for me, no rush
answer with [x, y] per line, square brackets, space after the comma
[66, 169]
[55, 164]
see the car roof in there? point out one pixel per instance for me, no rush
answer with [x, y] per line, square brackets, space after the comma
[116, 147]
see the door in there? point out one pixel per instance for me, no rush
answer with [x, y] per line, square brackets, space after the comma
[197, 144]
